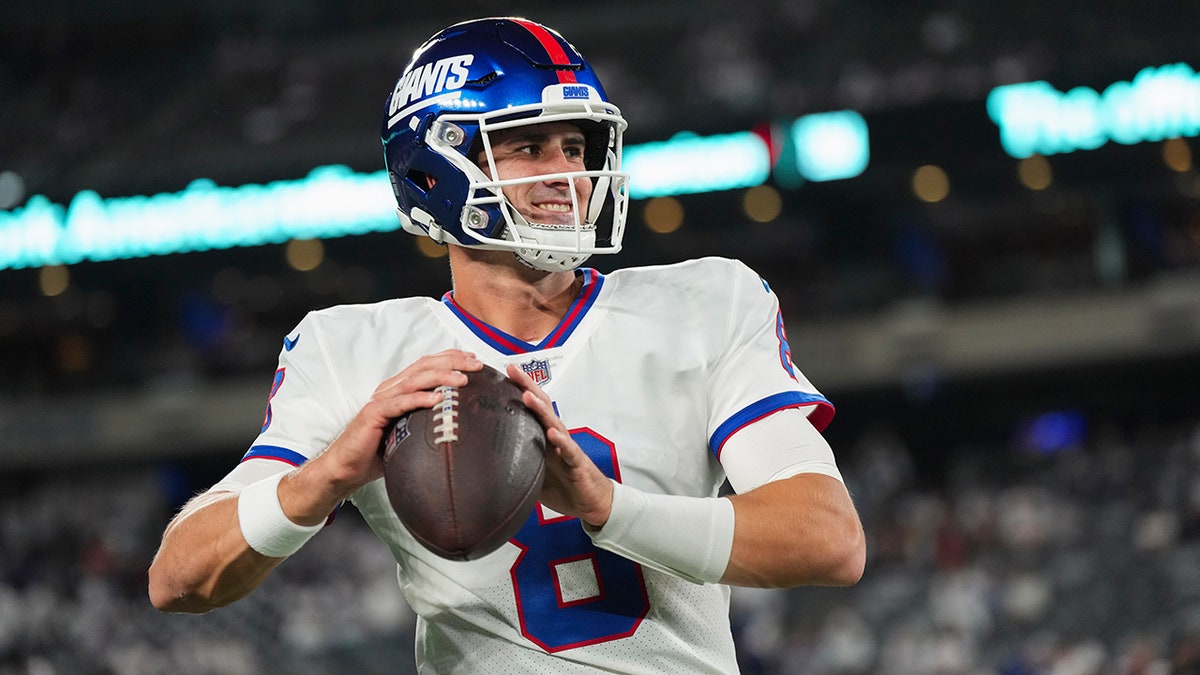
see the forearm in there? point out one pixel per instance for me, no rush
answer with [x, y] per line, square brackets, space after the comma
[802, 530]
[204, 561]
[798, 531]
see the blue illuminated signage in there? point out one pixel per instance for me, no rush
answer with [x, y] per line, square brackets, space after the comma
[333, 201]
[831, 146]
[1036, 119]
[687, 163]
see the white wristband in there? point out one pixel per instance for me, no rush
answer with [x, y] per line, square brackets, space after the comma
[690, 537]
[265, 526]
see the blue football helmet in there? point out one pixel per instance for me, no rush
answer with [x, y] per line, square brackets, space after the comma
[471, 80]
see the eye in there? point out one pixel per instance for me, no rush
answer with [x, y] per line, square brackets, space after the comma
[519, 148]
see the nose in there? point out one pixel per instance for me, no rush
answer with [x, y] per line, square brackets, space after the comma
[557, 161]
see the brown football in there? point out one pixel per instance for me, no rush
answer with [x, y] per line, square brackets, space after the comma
[464, 476]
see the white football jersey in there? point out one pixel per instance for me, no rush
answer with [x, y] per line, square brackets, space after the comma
[652, 369]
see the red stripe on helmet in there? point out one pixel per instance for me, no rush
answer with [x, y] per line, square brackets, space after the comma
[554, 50]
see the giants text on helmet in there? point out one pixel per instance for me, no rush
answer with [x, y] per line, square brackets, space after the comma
[431, 78]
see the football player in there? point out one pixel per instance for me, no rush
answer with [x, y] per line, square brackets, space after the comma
[655, 385]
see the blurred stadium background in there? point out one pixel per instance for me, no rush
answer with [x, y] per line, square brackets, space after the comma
[1013, 343]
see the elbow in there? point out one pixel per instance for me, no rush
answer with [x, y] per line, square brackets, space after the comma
[161, 596]
[168, 595]
[165, 599]
[846, 547]
[849, 559]
[837, 559]
[841, 560]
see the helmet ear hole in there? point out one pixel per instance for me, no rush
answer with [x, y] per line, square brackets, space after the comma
[422, 180]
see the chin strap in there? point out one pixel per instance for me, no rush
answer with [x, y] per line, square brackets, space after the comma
[552, 261]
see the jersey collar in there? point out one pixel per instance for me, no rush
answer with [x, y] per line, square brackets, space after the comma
[507, 344]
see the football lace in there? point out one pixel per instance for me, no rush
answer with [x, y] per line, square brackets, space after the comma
[445, 415]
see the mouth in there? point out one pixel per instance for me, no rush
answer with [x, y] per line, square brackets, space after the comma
[554, 207]
[552, 214]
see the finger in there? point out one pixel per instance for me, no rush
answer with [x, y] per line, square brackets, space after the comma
[566, 449]
[448, 359]
[524, 381]
[426, 379]
[446, 367]
[539, 400]
[451, 359]
[381, 410]
[458, 358]
[543, 409]
[450, 352]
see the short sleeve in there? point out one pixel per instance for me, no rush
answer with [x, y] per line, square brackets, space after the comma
[306, 407]
[755, 375]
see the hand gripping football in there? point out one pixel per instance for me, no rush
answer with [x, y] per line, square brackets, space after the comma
[464, 475]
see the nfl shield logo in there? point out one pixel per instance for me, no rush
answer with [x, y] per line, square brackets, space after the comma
[539, 370]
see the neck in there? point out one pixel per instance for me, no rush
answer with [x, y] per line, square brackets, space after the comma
[496, 288]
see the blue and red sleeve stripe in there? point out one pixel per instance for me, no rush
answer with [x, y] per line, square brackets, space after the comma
[821, 416]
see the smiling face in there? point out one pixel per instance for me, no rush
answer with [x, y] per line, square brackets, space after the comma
[535, 150]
